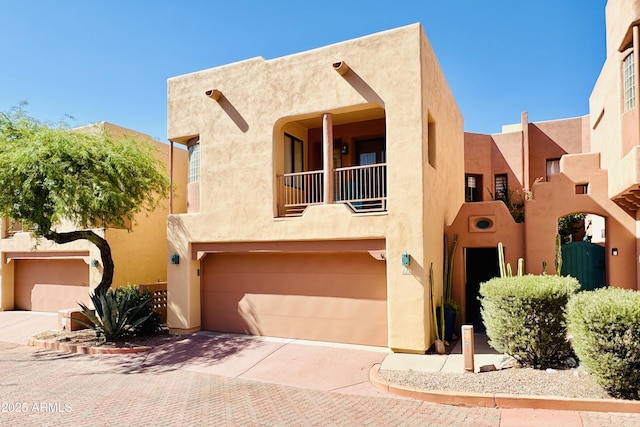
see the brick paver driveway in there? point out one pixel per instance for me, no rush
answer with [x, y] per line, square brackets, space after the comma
[47, 388]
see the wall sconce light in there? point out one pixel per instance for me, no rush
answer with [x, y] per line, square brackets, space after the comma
[406, 259]
[94, 263]
[175, 259]
[345, 149]
[614, 251]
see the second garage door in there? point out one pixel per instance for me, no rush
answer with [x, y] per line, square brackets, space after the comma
[50, 285]
[338, 297]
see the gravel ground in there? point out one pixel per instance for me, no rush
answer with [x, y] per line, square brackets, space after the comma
[571, 383]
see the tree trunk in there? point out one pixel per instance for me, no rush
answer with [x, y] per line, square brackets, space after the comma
[101, 244]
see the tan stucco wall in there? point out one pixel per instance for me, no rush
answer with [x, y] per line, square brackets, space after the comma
[241, 153]
[619, 16]
[443, 182]
[140, 255]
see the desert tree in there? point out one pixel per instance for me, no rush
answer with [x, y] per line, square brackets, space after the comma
[51, 173]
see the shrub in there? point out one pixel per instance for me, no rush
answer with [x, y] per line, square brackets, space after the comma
[112, 318]
[153, 323]
[605, 325]
[525, 317]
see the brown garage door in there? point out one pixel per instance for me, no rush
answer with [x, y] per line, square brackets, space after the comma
[50, 285]
[338, 297]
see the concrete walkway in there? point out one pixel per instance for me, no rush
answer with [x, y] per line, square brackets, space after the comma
[451, 363]
[17, 326]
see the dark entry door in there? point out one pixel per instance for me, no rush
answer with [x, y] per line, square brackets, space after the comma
[481, 265]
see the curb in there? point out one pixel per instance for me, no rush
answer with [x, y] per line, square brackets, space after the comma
[72, 348]
[503, 401]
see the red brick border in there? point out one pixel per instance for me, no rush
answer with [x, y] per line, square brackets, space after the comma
[72, 348]
[503, 401]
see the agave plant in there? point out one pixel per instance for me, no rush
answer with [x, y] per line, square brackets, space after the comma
[111, 318]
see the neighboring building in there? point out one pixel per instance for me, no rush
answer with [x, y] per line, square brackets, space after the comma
[586, 165]
[315, 177]
[44, 276]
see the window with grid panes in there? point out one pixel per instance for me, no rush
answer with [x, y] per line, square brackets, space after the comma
[500, 186]
[628, 76]
[194, 161]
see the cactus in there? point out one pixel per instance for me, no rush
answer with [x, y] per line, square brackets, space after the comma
[505, 268]
[448, 265]
[433, 303]
[439, 344]
[520, 266]
[503, 271]
[558, 254]
[544, 268]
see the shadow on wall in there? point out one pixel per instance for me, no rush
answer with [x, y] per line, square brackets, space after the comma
[417, 271]
[176, 230]
[233, 113]
[359, 84]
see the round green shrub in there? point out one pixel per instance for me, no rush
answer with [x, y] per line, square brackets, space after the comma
[525, 317]
[605, 329]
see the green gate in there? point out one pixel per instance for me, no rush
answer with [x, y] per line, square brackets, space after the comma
[585, 262]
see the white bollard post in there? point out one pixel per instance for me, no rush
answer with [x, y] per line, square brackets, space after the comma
[468, 348]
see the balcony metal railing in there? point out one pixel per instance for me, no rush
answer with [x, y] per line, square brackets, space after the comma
[363, 188]
[299, 190]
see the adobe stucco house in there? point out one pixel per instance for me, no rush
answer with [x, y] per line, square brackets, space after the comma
[44, 276]
[317, 171]
[315, 178]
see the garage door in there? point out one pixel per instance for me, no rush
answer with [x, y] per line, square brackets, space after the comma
[337, 297]
[50, 285]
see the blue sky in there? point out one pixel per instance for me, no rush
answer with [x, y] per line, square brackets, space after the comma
[110, 60]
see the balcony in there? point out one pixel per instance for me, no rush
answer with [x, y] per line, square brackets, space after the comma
[299, 190]
[363, 188]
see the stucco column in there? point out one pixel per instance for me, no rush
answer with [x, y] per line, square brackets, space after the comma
[327, 149]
